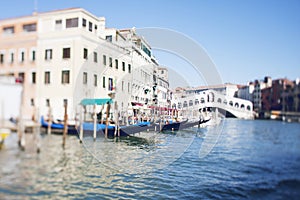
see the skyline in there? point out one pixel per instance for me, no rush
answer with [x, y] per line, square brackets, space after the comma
[246, 40]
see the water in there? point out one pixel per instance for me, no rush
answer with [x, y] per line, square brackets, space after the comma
[251, 160]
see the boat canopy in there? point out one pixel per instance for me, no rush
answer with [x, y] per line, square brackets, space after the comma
[86, 102]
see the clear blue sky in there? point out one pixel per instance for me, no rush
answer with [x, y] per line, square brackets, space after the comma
[246, 39]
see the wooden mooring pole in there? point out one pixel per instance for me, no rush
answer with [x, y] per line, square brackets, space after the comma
[49, 120]
[107, 118]
[65, 124]
[95, 123]
[81, 125]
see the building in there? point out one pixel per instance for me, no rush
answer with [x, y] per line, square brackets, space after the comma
[272, 97]
[162, 92]
[77, 58]
[259, 85]
[246, 92]
[18, 56]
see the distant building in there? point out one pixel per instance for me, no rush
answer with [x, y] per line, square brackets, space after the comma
[246, 92]
[272, 97]
[291, 97]
[257, 92]
[225, 89]
[162, 87]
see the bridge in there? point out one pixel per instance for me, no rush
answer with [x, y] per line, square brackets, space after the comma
[237, 107]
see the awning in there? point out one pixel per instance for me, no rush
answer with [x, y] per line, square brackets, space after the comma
[85, 102]
[136, 104]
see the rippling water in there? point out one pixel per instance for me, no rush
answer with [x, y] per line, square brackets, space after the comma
[251, 160]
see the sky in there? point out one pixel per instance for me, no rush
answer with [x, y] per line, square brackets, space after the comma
[246, 40]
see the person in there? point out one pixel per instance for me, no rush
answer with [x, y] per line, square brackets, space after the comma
[99, 116]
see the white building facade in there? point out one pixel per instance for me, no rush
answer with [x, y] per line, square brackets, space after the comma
[72, 56]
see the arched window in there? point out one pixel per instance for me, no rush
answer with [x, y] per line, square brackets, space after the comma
[191, 103]
[197, 101]
[236, 105]
[179, 105]
[248, 108]
[230, 103]
[242, 106]
[225, 102]
[202, 100]
[211, 97]
[185, 104]
[219, 100]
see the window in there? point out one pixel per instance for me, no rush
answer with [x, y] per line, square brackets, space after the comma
[47, 77]
[123, 66]
[32, 102]
[116, 63]
[48, 54]
[29, 27]
[22, 56]
[109, 38]
[85, 53]
[12, 56]
[66, 52]
[1, 58]
[103, 82]
[65, 102]
[95, 57]
[128, 87]
[73, 22]
[33, 55]
[83, 22]
[33, 77]
[47, 102]
[90, 26]
[21, 77]
[95, 80]
[185, 104]
[104, 60]
[129, 68]
[85, 77]
[58, 24]
[95, 27]
[65, 77]
[110, 84]
[122, 85]
[110, 61]
[8, 30]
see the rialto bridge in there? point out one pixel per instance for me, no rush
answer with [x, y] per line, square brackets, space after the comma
[190, 104]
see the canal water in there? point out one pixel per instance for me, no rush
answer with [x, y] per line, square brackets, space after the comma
[250, 160]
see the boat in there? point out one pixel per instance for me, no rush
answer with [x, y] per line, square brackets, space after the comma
[112, 130]
[4, 133]
[176, 126]
[58, 127]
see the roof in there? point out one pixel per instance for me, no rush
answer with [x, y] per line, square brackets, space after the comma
[85, 102]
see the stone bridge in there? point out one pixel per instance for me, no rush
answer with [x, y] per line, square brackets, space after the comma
[239, 108]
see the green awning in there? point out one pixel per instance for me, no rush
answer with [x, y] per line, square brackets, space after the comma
[85, 102]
